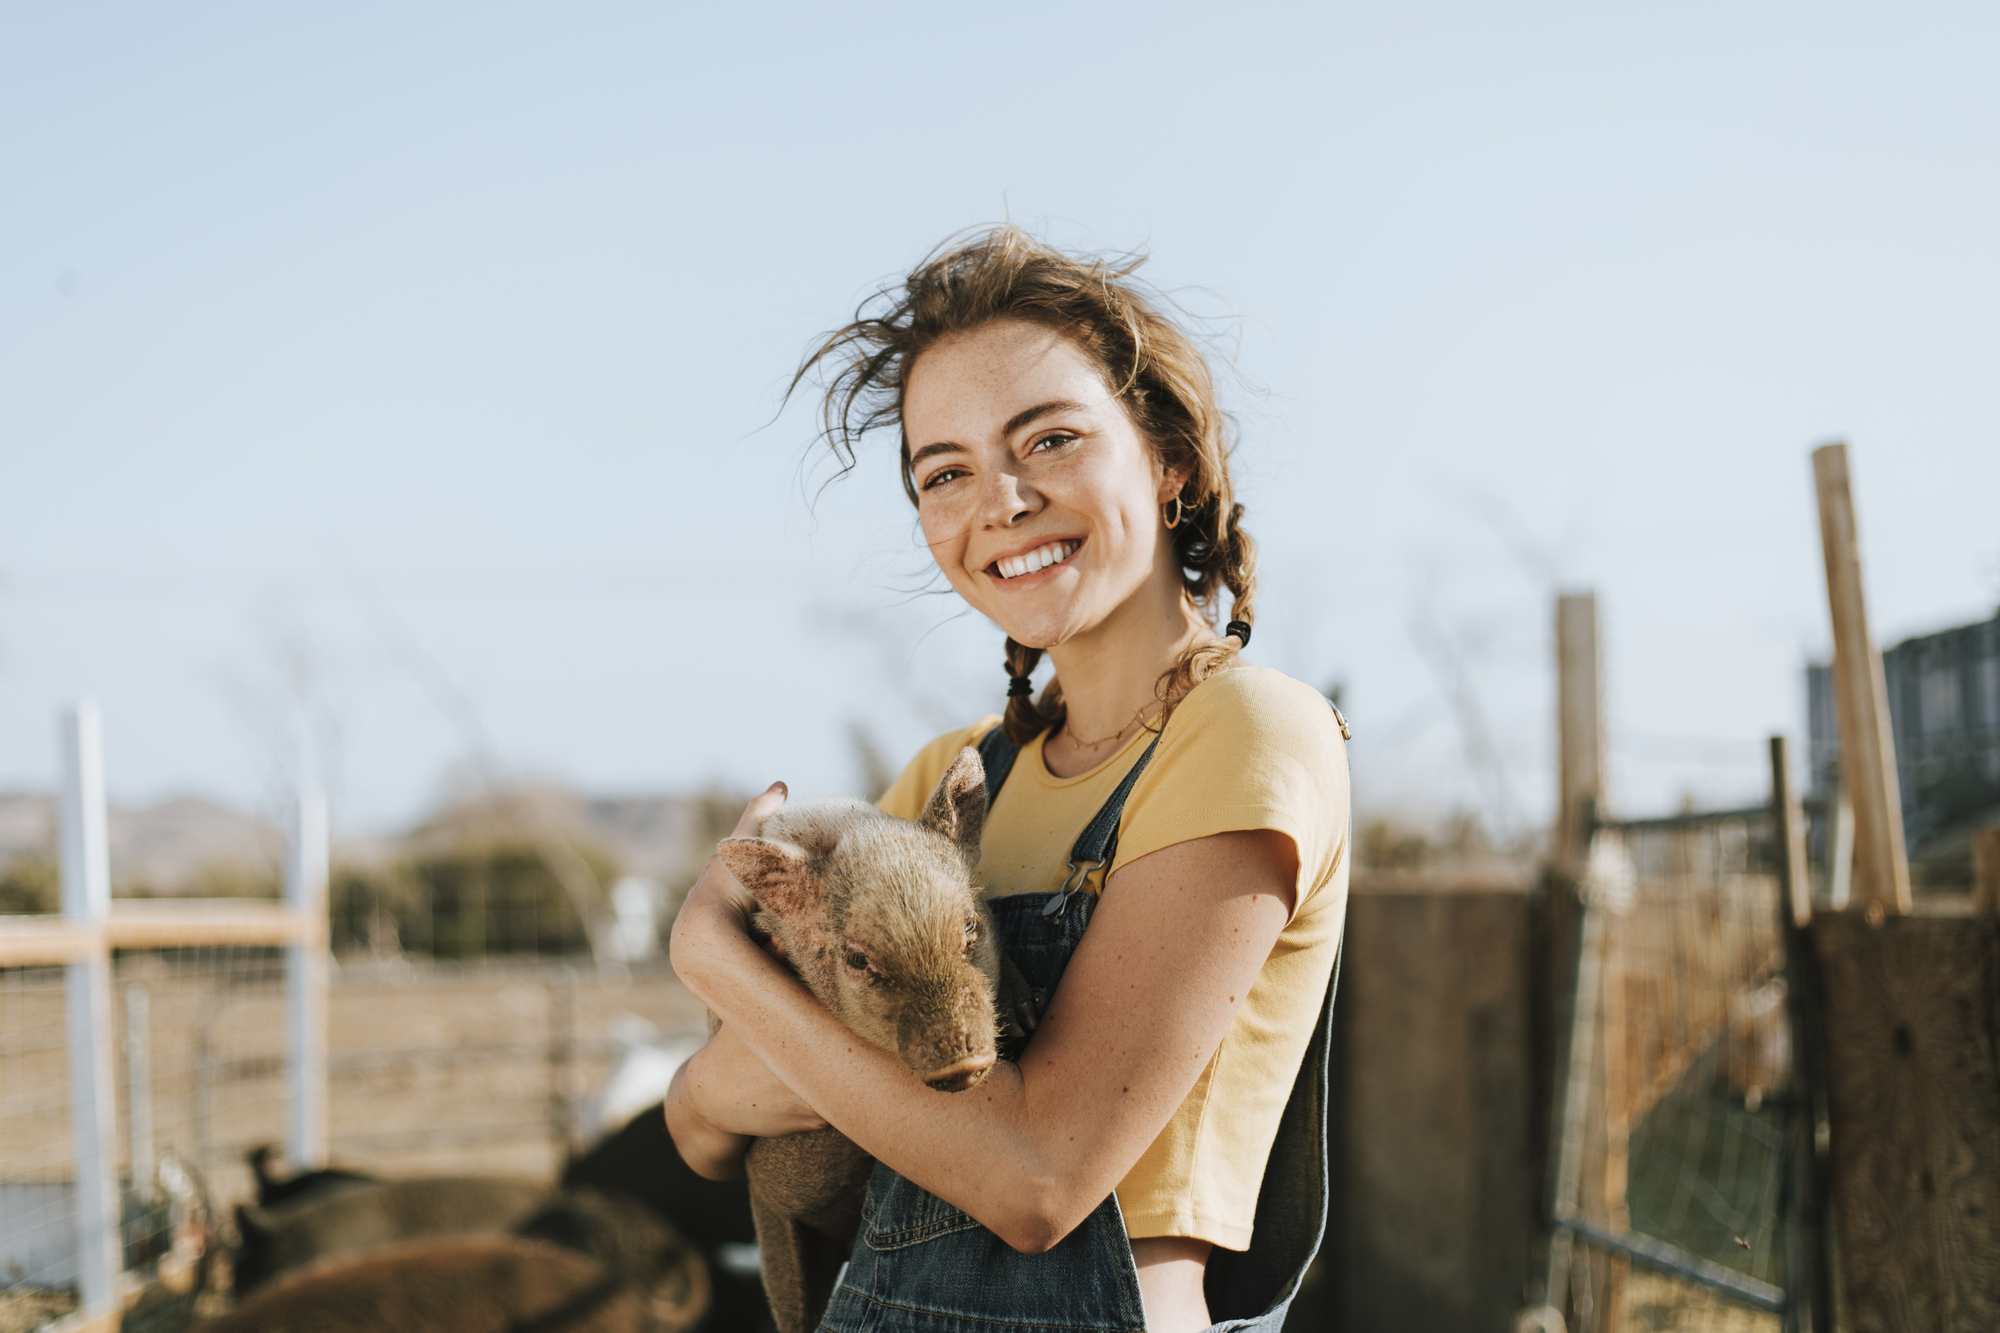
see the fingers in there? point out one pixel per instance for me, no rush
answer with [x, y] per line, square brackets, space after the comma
[1028, 1010]
[761, 808]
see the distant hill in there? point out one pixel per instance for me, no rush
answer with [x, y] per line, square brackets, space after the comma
[183, 846]
[193, 847]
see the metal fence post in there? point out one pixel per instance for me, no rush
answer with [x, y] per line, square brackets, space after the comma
[86, 899]
[306, 978]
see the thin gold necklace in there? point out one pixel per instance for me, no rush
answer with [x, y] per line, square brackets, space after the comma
[1083, 744]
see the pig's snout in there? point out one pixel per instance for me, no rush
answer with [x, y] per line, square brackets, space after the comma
[948, 1038]
[961, 1074]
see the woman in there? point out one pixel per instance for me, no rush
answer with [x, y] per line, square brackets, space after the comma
[1069, 467]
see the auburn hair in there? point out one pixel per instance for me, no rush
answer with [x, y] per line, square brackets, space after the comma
[1150, 364]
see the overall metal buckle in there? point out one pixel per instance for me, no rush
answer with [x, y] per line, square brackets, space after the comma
[1071, 883]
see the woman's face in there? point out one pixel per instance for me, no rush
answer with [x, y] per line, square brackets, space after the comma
[1038, 497]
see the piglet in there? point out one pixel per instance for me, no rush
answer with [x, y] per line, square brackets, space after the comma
[881, 920]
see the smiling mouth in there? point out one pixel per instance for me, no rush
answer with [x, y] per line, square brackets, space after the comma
[1018, 566]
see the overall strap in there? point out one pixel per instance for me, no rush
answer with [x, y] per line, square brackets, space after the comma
[1098, 842]
[997, 755]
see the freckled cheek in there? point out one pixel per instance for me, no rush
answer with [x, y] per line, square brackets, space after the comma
[945, 534]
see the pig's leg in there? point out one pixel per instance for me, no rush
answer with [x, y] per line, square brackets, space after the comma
[805, 1198]
[781, 1254]
[817, 1176]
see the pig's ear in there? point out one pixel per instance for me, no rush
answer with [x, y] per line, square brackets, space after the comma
[957, 808]
[776, 874]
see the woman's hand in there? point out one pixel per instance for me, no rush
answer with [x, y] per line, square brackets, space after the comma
[724, 1096]
[731, 1089]
[713, 926]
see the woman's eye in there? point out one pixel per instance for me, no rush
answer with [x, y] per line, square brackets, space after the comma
[942, 475]
[1048, 442]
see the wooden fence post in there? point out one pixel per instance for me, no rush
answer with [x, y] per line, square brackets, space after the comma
[1867, 749]
[1910, 1005]
[1598, 979]
[1810, 1308]
[86, 900]
[1986, 871]
[1579, 724]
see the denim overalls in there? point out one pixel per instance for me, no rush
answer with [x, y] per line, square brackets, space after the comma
[923, 1266]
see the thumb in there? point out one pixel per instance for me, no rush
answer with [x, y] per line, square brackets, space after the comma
[761, 808]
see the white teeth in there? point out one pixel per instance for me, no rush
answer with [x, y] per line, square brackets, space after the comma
[1013, 567]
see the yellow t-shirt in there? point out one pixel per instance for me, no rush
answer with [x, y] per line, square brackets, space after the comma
[1247, 748]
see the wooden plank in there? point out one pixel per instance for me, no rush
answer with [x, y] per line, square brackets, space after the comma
[1867, 750]
[1910, 1006]
[47, 941]
[105, 1319]
[165, 923]
[187, 923]
[1445, 883]
[1579, 722]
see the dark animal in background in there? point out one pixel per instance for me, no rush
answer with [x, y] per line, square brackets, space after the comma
[273, 1189]
[585, 1259]
[626, 1202]
[636, 1243]
[880, 918]
[463, 1284]
[351, 1216]
[640, 1162]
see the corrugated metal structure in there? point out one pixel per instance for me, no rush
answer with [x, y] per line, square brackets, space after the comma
[1944, 707]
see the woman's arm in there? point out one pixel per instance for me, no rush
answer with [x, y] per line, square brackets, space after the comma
[1170, 954]
[723, 1095]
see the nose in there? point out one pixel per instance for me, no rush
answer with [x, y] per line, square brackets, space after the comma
[1007, 498]
[960, 1074]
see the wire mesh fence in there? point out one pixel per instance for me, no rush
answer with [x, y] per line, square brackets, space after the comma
[1675, 1148]
[490, 1067]
[196, 1038]
[37, 1210]
[201, 1036]
[497, 1067]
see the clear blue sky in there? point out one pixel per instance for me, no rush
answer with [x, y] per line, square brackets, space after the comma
[414, 370]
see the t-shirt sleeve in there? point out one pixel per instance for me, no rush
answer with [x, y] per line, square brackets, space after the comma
[907, 794]
[1249, 748]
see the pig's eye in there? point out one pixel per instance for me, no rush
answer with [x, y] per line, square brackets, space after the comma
[971, 935]
[857, 960]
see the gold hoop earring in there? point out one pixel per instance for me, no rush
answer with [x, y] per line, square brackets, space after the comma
[1175, 521]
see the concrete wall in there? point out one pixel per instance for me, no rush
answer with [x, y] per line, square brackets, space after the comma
[1436, 1105]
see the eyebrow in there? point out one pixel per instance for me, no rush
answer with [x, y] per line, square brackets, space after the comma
[1022, 418]
[1038, 411]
